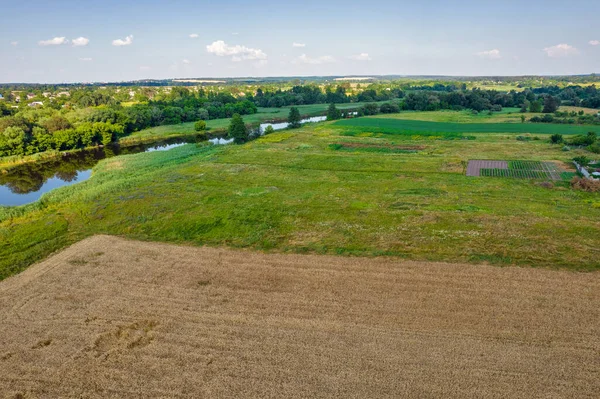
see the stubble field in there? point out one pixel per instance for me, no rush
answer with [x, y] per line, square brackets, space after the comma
[110, 317]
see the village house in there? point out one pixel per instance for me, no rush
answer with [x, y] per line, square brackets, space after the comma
[36, 104]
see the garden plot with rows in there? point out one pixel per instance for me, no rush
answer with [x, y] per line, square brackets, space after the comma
[517, 169]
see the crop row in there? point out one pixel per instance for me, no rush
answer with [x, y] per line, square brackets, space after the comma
[519, 174]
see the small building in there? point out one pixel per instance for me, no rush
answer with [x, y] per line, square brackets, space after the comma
[36, 104]
[1, 97]
[30, 96]
[63, 94]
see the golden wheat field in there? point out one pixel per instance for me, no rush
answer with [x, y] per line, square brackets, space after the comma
[110, 317]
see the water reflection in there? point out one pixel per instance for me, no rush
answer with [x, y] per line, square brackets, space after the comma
[26, 183]
[284, 125]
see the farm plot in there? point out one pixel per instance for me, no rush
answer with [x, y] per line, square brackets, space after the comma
[115, 318]
[515, 169]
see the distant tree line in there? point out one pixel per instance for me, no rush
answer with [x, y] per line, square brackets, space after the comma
[305, 95]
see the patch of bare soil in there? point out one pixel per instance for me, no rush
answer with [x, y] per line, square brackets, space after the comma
[115, 318]
[387, 146]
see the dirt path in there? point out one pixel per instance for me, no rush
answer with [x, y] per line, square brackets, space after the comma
[115, 318]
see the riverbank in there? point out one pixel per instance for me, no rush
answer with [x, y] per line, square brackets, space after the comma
[8, 163]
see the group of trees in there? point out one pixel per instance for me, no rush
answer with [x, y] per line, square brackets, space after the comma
[588, 141]
[573, 95]
[20, 138]
[88, 116]
[240, 133]
[94, 118]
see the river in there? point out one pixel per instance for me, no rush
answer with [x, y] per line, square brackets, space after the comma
[28, 182]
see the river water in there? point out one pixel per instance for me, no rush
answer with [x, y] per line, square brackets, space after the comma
[27, 183]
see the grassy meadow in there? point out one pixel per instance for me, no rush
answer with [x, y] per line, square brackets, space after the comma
[263, 115]
[296, 191]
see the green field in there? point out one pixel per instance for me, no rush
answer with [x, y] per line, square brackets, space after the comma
[386, 125]
[263, 114]
[293, 191]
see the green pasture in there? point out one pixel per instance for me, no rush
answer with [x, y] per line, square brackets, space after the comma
[296, 191]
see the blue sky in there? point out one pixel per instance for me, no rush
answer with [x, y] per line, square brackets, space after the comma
[75, 41]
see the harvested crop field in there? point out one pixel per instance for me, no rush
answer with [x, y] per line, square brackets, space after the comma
[110, 317]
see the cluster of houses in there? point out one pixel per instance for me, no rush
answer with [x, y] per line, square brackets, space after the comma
[21, 96]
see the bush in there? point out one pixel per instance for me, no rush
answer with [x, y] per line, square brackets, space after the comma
[269, 129]
[370, 109]
[389, 108]
[582, 160]
[566, 148]
[595, 148]
[586, 140]
[556, 139]
[589, 185]
[200, 126]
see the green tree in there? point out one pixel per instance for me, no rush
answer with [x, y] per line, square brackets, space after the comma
[333, 113]
[269, 129]
[200, 126]
[551, 105]
[13, 141]
[535, 106]
[294, 118]
[237, 129]
[522, 118]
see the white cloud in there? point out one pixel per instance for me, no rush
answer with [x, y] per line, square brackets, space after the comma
[144, 68]
[237, 52]
[361, 57]
[186, 61]
[298, 44]
[14, 43]
[491, 54]
[86, 59]
[561, 50]
[120, 42]
[194, 35]
[57, 41]
[80, 41]
[595, 42]
[235, 33]
[324, 59]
